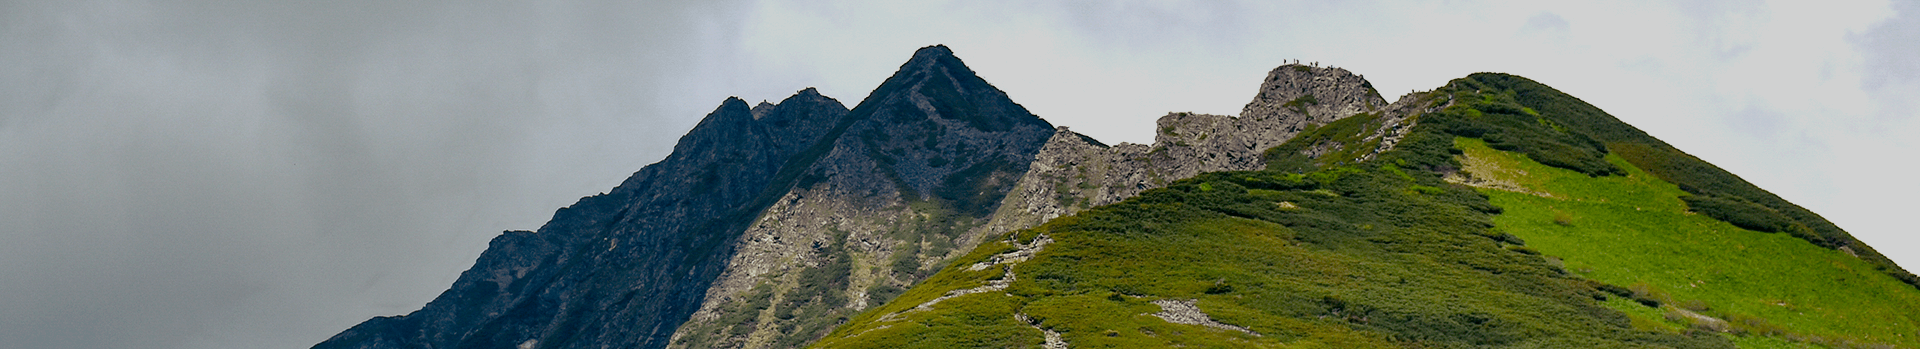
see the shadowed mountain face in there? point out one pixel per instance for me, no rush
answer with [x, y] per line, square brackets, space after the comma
[622, 268]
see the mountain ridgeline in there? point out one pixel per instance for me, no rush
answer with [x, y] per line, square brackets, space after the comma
[1491, 212]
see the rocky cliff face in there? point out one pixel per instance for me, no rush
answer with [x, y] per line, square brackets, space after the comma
[1074, 172]
[624, 268]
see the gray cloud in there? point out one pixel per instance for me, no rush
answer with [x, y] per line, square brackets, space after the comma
[1146, 26]
[1892, 71]
[264, 174]
[1545, 22]
[1712, 19]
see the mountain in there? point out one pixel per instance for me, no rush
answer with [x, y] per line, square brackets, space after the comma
[905, 182]
[864, 245]
[1493, 211]
[784, 197]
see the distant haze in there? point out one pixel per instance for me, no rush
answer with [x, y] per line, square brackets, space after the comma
[236, 174]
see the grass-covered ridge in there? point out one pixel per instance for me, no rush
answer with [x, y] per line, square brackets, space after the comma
[1635, 230]
[1714, 191]
[1333, 144]
[1368, 255]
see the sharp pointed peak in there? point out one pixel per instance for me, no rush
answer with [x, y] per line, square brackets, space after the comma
[731, 110]
[734, 102]
[934, 51]
[935, 73]
[932, 56]
[761, 110]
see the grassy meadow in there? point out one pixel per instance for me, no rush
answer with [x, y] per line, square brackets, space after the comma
[1635, 230]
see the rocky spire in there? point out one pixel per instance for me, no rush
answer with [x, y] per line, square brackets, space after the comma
[934, 118]
[1321, 94]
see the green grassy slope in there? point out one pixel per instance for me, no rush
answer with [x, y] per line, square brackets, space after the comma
[1356, 256]
[1601, 237]
[1635, 230]
[1715, 192]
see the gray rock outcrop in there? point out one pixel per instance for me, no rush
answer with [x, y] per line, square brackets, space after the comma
[1074, 172]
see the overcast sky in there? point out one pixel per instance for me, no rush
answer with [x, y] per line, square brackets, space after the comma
[245, 174]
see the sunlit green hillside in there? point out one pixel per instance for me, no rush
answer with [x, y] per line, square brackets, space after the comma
[1634, 230]
[1511, 216]
[1347, 257]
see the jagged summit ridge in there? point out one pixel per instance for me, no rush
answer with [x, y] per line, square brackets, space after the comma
[808, 94]
[924, 59]
[1292, 98]
[1075, 172]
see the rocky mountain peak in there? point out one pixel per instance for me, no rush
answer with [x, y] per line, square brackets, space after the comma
[760, 110]
[905, 182]
[938, 84]
[936, 118]
[793, 123]
[1073, 172]
[1292, 98]
[927, 56]
[1323, 93]
[731, 107]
